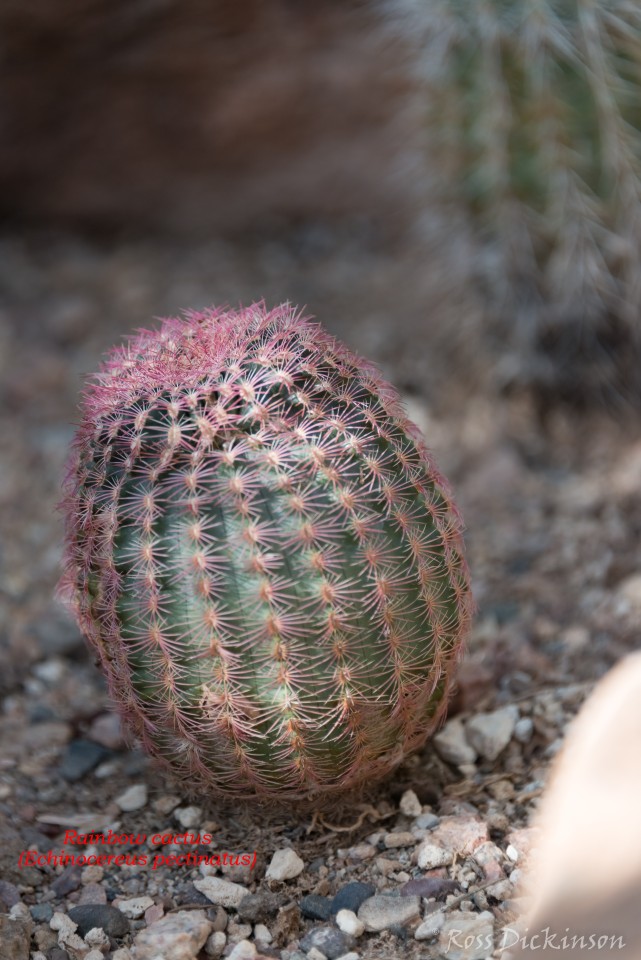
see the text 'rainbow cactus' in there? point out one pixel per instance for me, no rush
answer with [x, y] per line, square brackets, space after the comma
[263, 556]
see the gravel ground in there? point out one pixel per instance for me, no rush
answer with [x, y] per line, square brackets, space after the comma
[431, 856]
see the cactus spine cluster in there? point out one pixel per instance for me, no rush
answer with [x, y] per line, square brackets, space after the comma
[536, 123]
[263, 556]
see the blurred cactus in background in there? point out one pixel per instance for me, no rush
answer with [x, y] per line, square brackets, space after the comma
[263, 556]
[535, 123]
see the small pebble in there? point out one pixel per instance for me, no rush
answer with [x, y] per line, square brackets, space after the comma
[262, 933]
[216, 943]
[93, 893]
[315, 907]
[222, 892]
[92, 873]
[41, 912]
[244, 950]
[80, 759]
[348, 922]
[165, 804]
[90, 915]
[490, 733]
[410, 805]
[134, 798]
[135, 907]
[431, 926]
[467, 936]
[452, 745]
[400, 839]
[188, 816]
[331, 942]
[431, 855]
[381, 912]
[179, 936]
[285, 865]
[352, 896]
[426, 821]
[258, 906]
[106, 730]
[523, 730]
[97, 938]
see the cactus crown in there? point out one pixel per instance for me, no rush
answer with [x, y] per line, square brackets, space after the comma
[263, 555]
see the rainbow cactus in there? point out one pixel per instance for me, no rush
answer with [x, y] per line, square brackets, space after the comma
[263, 555]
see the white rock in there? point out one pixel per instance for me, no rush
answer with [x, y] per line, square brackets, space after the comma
[97, 938]
[512, 852]
[410, 804]
[216, 943]
[223, 892]
[135, 907]
[62, 923]
[431, 855]
[314, 954]
[285, 865]
[94, 955]
[123, 953]
[262, 933]
[431, 926]
[19, 911]
[380, 912]
[38, 955]
[179, 935]
[348, 922]
[467, 936]
[244, 950]
[238, 931]
[188, 816]
[452, 745]
[490, 733]
[134, 798]
[523, 729]
[352, 955]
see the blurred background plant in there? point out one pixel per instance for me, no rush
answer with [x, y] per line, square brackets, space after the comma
[534, 113]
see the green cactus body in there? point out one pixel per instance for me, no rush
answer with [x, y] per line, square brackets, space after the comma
[263, 555]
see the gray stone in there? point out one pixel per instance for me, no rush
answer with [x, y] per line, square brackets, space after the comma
[352, 896]
[256, 907]
[108, 918]
[426, 821]
[315, 907]
[80, 758]
[41, 912]
[331, 942]
[381, 912]
[490, 733]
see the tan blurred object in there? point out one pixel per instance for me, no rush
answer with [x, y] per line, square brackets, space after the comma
[586, 881]
[204, 114]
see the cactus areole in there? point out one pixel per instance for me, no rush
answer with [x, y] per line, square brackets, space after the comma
[263, 556]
